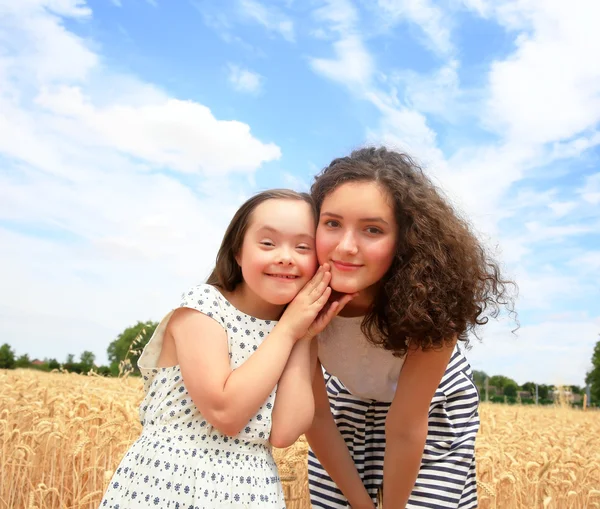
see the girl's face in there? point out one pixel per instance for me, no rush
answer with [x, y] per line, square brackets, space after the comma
[356, 235]
[278, 253]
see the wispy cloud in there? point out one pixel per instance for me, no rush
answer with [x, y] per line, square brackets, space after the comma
[269, 17]
[244, 80]
[87, 210]
[431, 19]
[522, 134]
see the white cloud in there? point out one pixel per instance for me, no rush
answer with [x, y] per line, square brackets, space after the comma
[588, 263]
[244, 80]
[556, 351]
[591, 189]
[352, 65]
[437, 93]
[561, 209]
[339, 15]
[425, 14]
[269, 17]
[94, 235]
[549, 88]
[181, 135]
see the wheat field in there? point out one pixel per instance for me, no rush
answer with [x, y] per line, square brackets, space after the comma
[62, 435]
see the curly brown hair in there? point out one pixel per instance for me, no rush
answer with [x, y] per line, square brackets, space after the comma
[227, 273]
[442, 283]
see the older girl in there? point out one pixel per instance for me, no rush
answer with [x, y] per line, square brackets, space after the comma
[396, 406]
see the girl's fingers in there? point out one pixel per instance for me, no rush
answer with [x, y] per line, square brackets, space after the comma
[335, 307]
[314, 282]
[322, 300]
[311, 285]
[344, 300]
[318, 291]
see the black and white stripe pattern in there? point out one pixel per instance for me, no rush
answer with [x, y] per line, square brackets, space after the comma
[446, 477]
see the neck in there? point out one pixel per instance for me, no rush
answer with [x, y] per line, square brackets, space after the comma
[359, 305]
[244, 299]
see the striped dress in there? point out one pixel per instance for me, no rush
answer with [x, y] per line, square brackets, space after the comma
[447, 478]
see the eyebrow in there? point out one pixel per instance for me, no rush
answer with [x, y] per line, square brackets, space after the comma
[275, 230]
[376, 219]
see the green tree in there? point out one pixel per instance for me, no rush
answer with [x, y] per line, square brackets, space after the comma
[593, 377]
[53, 364]
[500, 382]
[479, 378]
[70, 359]
[124, 347]
[7, 357]
[510, 389]
[529, 386]
[543, 391]
[575, 389]
[23, 361]
[86, 361]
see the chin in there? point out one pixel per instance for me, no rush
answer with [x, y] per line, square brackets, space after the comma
[343, 286]
[280, 299]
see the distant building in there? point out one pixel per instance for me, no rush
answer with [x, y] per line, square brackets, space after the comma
[569, 396]
[37, 362]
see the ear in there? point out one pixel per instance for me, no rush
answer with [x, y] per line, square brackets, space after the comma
[238, 259]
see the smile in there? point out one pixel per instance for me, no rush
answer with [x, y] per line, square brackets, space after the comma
[287, 277]
[346, 267]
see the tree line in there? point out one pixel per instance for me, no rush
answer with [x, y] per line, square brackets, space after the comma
[124, 351]
[123, 354]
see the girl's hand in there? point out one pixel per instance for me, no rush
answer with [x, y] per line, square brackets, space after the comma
[302, 311]
[325, 316]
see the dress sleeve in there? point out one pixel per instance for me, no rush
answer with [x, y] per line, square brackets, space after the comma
[204, 298]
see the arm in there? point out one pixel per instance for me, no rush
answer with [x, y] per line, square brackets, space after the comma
[407, 421]
[328, 445]
[294, 404]
[227, 398]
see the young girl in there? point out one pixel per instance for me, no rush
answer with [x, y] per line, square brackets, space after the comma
[396, 410]
[214, 365]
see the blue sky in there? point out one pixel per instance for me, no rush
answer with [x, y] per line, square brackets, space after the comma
[130, 131]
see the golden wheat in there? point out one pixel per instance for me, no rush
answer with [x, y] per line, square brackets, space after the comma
[62, 435]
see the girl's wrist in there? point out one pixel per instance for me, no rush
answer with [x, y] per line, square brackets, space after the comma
[286, 332]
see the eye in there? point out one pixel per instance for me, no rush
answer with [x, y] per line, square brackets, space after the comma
[373, 230]
[267, 243]
[304, 247]
[332, 223]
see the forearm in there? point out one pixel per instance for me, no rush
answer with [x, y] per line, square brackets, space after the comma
[328, 445]
[403, 453]
[247, 387]
[294, 405]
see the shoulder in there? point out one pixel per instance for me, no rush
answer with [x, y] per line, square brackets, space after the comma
[206, 299]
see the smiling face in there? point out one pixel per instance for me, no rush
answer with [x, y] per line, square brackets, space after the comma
[357, 235]
[278, 255]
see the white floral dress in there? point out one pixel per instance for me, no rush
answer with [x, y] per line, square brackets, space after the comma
[180, 461]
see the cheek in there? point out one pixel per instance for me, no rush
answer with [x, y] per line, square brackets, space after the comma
[325, 243]
[253, 261]
[381, 255]
[308, 264]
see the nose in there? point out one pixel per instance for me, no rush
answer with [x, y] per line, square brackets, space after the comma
[348, 243]
[284, 256]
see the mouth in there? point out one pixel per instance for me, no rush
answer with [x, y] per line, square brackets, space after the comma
[345, 266]
[283, 277]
